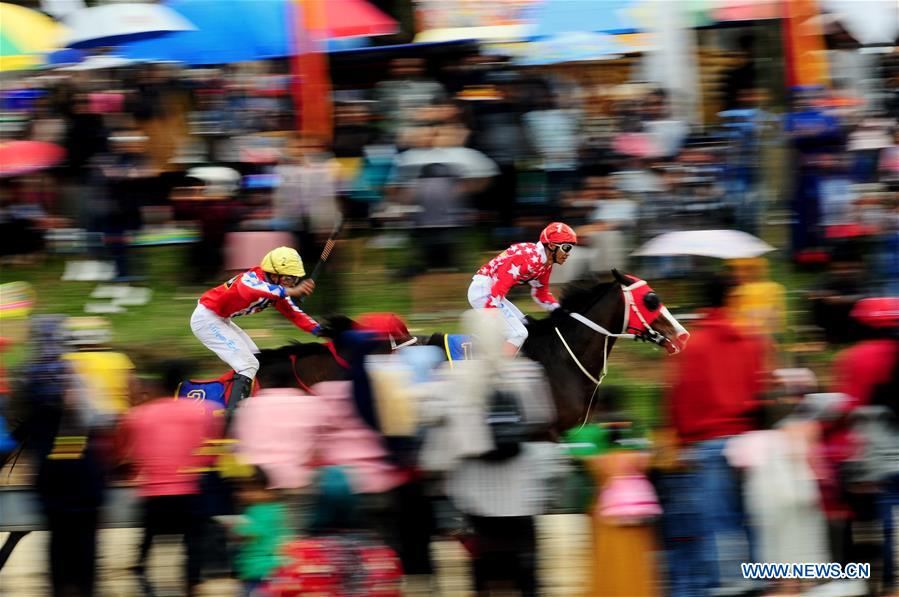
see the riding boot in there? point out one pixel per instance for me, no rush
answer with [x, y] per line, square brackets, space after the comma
[240, 389]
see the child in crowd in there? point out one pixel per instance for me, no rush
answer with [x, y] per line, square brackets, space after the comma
[262, 529]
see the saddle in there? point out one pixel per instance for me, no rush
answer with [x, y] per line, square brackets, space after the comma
[214, 390]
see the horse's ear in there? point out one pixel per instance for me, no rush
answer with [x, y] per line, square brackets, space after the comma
[621, 278]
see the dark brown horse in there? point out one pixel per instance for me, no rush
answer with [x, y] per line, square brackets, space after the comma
[572, 344]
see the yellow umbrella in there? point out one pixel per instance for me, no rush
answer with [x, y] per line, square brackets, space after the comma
[25, 37]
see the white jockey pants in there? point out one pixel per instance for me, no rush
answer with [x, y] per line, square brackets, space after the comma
[224, 338]
[479, 295]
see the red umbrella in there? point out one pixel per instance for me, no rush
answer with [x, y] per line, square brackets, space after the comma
[355, 18]
[22, 157]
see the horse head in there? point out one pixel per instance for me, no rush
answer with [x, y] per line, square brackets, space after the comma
[646, 317]
[335, 325]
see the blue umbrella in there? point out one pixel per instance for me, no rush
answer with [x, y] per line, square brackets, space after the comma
[554, 17]
[66, 56]
[233, 31]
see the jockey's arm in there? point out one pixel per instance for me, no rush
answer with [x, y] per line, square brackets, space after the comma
[297, 316]
[541, 294]
[251, 286]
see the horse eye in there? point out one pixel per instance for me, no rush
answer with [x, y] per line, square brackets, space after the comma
[651, 300]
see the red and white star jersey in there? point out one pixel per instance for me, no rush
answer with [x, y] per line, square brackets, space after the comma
[249, 293]
[522, 263]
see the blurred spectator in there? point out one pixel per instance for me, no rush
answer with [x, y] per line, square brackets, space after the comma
[163, 438]
[106, 373]
[208, 203]
[262, 531]
[498, 131]
[844, 283]
[666, 133]
[47, 124]
[876, 463]
[338, 557]
[402, 94]
[432, 183]
[553, 132]
[813, 133]
[780, 489]
[86, 136]
[497, 475]
[888, 165]
[153, 92]
[70, 478]
[209, 121]
[836, 192]
[117, 192]
[623, 536]
[277, 428]
[352, 129]
[744, 75]
[438, 197]
[21, 236]
[866, 374]
[758, 303]
[346, 439]
[746, 129]
[714, 396]
[305, 201]
[384, 390]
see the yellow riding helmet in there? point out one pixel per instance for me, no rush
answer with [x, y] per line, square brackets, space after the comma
[283, 261]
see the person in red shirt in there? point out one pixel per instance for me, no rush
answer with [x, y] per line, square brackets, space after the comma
[866, 373]
[276, 281]
[715, 394]
[522, 263]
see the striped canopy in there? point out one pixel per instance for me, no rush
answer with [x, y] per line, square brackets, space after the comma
[25, 37]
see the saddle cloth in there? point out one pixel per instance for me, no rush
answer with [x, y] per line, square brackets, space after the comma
[215, 390]
[458, 347]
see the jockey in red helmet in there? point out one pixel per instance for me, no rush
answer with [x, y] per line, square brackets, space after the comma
[522, 263]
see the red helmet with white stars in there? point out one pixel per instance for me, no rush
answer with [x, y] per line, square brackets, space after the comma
[558, 233]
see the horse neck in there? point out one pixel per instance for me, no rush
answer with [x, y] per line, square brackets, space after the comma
[592, 347]
[586, 344]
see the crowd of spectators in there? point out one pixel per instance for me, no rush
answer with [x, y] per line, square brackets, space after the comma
[349, 478]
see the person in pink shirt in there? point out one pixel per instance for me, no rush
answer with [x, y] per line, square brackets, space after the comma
[346, 440]
[278, 428]
[162, 438]
[286, 433]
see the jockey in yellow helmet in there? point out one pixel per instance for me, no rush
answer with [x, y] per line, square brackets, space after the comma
[276, 281]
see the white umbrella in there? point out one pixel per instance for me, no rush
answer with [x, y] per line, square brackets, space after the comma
[100, 62]
[723, 244]
[462, 162]
[113, 24]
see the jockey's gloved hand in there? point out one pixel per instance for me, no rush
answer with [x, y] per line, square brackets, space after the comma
[316, 331]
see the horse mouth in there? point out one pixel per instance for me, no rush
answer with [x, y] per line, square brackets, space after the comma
[675, 345]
